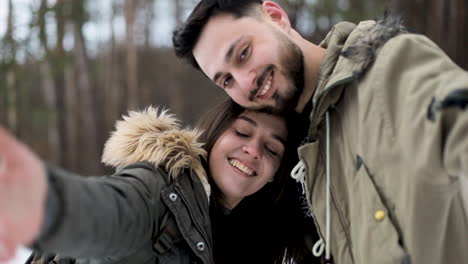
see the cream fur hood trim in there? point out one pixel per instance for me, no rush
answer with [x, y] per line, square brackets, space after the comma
[155, 136]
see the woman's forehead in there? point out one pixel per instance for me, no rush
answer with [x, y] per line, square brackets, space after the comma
[268, 122]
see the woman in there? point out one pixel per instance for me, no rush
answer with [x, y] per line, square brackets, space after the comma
[156, 209]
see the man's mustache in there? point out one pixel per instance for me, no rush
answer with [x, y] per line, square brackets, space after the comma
[269, 68]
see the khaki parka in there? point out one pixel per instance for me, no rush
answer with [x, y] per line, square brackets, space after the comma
[398, 148]
[154, 209]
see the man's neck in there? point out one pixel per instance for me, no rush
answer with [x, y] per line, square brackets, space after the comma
[313, 57]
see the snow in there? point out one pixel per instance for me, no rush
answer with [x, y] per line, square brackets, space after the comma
[22, 254]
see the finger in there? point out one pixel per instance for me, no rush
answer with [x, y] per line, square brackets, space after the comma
[2, 165]
[5, 246]
[7, 250]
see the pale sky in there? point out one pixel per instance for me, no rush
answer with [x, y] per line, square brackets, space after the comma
[22, 15]
[97, 30]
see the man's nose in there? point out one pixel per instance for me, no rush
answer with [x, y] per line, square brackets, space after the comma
[246, 80]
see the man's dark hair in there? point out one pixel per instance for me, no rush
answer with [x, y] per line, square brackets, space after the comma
[186, 36]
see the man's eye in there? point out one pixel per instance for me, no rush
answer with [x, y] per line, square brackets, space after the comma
[243, 54]
[227, 81]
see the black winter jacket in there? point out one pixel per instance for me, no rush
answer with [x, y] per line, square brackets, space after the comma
[154, 209]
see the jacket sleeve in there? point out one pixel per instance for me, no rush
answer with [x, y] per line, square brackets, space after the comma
[426, 97]
[102, 216]
[430, 99]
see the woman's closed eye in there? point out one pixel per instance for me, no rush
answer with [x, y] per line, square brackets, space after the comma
[271, 151]
[240, 133]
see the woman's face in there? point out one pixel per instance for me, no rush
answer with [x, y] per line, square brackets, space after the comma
[247, 155]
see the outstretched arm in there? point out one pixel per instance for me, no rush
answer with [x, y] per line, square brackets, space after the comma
[92, 217]
[22, 195]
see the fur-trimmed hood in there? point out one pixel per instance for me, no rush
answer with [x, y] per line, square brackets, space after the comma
[155, 136]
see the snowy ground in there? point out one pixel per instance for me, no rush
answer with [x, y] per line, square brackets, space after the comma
[21, 256]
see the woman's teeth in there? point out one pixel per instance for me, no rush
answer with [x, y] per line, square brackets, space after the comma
[241, 167]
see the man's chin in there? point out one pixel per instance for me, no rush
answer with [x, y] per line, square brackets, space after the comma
[283, 105]
[279, 108]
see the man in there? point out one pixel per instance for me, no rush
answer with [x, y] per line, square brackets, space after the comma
[386, 157]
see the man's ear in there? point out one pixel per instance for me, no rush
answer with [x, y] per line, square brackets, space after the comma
[277, 14]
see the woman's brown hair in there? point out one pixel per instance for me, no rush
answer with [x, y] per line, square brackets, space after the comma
[279, 201]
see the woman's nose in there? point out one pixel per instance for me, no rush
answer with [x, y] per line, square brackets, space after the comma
[253, 149]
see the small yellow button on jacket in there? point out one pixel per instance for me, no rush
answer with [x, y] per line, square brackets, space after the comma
[379, 215]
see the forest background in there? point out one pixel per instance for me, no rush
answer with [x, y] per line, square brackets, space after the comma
[70, 68]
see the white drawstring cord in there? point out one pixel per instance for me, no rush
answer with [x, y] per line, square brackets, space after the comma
[318, 248]
[327, 219]
[298, 173]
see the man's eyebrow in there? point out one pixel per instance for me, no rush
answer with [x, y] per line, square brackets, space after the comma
[228, 56]
[251, 121]
[231, 49]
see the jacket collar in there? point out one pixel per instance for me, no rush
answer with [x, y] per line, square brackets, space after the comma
[334, 70]
[155, 136]
[350, 51]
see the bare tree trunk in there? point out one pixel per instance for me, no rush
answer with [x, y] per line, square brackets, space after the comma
[48, 90]
[178, 12]
[294, 9]
[148, 22]
[54, 137]
[11, 92]
[72, 110]
[2, 101]
[445, 22]
[176, 95]
[90, 140]
[12, 113]
[458, 37]
[113, 89]
[59, 60]
[133, 93]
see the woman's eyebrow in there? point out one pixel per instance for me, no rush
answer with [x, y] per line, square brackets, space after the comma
[250, 120]
[253, 123]
[280, 139]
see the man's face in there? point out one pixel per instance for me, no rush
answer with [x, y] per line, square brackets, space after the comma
[257, 65]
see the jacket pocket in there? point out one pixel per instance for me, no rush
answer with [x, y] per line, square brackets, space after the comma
[375, 237]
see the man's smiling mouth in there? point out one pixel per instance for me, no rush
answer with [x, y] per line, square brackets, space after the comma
[267, 86]
[264, 84]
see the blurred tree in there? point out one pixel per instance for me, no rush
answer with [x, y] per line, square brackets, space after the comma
[176, 98]
[113, 89]
[59, 86]
[133, 93]
[313, 19]
[52, 77]
[90, 136]
[148, 14]
[445, 22]
[10, 101]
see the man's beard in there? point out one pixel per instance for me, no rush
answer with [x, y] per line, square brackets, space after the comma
[293, 69]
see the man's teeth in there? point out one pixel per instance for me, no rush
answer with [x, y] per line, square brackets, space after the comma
[241, 167]
[267, 86]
